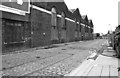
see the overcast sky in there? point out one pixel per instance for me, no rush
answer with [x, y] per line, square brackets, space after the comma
[104, 13]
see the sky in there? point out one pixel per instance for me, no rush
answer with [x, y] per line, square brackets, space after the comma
[104, 13]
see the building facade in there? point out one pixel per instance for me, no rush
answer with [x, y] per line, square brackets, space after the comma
[40, 24]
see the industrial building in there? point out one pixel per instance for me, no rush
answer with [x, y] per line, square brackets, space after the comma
[33, 24]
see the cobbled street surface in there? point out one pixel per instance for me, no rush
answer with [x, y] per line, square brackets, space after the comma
[50, 61]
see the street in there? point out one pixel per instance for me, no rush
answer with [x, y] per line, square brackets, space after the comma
[45, 38]
[58, 60]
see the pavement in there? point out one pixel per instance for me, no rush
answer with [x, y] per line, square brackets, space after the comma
[104, 66]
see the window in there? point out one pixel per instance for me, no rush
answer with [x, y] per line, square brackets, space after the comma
[76, 27]
[54, 29]
[85, 28]
[80, 28]
[53, 17]
[13, 31]
[91, 30]
[63, 21]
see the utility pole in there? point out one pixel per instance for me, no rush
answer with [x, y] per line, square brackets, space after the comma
[110, 28]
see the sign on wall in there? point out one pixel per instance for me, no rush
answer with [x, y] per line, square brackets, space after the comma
[20, 7]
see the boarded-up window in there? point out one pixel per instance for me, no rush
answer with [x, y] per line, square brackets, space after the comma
[13, 31]
[54, 29]
[63, 20]
[80, 28]
[91, 30]
[53, 17]
[76, 29]
[76, 25]
[85, 28]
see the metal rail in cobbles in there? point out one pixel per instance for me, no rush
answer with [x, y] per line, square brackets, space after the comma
[3, 69]
[49, 65]
[36, 66]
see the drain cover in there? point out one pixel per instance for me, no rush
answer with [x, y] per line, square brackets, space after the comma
[63, 49]
[38, 57]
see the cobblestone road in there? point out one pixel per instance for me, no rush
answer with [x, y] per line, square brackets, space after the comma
[50, 61]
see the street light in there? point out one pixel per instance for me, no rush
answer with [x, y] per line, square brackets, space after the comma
[110, 28]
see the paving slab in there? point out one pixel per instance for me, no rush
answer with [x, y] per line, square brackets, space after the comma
[105, 66]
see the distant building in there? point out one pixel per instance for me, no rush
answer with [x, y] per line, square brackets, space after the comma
[97, 36]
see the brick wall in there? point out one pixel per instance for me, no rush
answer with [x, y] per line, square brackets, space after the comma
[1, 34]
[37, 25]
[70, 31]
[41, 28]
[19, 18]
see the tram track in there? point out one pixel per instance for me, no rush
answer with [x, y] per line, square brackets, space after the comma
[62, 51]
[55, 57]
[34, 66]
[28, 62]
[49, 65]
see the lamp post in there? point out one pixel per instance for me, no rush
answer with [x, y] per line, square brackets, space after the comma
[110, 28]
